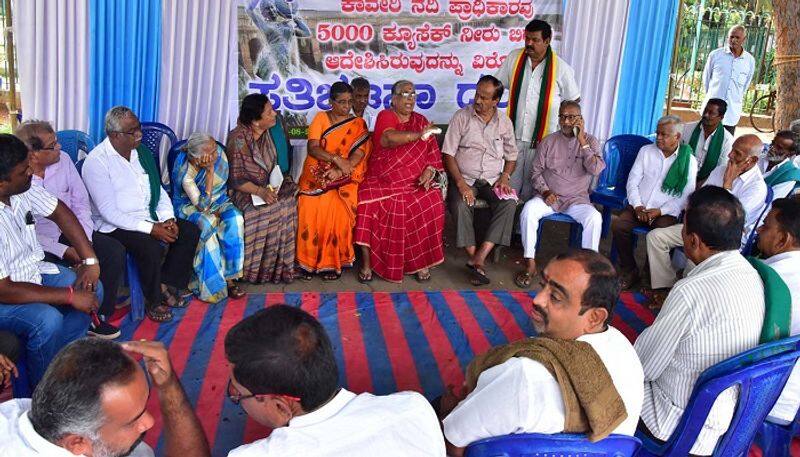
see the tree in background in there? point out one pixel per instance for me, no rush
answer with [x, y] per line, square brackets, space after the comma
[787, 61]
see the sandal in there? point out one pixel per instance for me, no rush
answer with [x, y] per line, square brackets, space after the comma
[159, 314]
[523, 279]
[478, 275]
[364, 277]
[628, 280]
[173, 300]
[422, 277]
[305, 275]
[331, 276]
[655, 298]
[234, 291]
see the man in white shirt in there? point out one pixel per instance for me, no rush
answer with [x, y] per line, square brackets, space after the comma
[361, 107]
[728, 73]
[92, 401]
[579, 291]
[709, 140]
[523, 74]
[661, 179]
[780, 165]
[779, 243]
[742, 178]
[714, 313]
[284, 376]
[46, 305]
[129, 204]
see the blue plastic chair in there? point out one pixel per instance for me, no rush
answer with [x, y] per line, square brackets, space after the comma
[753, 236]
[73, 141]
[760, 373]
[558, 445]
[152, 134]
[575, 228]
[619, 153]
[775, 440]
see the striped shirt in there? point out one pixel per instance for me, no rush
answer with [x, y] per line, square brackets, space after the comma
[20, 252]
[714, 313]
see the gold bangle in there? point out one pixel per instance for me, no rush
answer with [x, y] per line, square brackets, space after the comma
[271, 189]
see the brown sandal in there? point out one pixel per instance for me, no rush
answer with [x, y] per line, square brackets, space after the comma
[160, 314]
[234, 291]
[523, 279]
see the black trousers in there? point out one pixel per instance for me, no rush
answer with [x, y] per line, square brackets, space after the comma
[155, 268]
[111, 254]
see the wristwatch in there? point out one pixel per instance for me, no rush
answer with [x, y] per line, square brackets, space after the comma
[90, 261]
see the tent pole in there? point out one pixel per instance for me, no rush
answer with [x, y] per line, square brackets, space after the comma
[12, 71]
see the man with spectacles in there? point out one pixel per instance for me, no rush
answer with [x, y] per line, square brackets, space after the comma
[129, 204]
[563, 169]
[284, 376]
[537, 81]
[93, 401]
[54, 171]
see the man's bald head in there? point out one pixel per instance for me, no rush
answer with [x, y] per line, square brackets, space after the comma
[751, 144]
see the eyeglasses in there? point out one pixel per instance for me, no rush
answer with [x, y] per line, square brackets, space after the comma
[236, 397]
[345, 101]
[569, 117]
[52, 147]
[134, 133]
[407, 95]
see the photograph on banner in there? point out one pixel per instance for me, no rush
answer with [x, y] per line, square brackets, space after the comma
[293, 50]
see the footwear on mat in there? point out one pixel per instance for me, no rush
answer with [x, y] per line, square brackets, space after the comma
[234, 291]
[330, 276]
[655, 298]
[103, 330]
[477, 275]
[364, 276]
[160, 313]
[305, 275]
[422, 277]
[628, 279]
[523, 279]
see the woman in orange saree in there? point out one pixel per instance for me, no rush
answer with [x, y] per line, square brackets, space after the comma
[338, 146]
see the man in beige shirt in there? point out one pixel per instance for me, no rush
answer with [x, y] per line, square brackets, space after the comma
[480, 154]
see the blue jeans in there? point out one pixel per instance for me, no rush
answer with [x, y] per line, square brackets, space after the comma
[43, 328]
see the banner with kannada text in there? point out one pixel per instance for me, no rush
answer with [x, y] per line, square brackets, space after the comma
[293, 50]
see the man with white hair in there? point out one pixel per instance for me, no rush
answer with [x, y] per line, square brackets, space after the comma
[728, 73]
[660, 181]
[742, 178]
[129, 204]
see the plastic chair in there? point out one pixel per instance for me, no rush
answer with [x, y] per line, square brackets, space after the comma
[152, 134]
[575, 228]
[636, 233]
[558, 445]
[760, 373]
[73, 141]
[619, 153]
[775, 440]
[753, 236]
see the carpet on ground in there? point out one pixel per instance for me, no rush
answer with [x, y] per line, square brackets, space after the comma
[383, 342]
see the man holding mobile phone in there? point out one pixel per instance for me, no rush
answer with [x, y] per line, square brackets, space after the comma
[562, 173]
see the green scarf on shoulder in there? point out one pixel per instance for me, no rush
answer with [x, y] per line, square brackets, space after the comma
[149, 164]
[784, 173]
[777, 303]
[678, 174]
[714, 149]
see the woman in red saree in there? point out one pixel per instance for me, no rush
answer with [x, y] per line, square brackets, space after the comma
[400, 216]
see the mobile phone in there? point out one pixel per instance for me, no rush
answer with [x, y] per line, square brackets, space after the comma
[575, 130]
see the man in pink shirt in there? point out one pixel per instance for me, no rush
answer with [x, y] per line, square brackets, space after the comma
[54, 171]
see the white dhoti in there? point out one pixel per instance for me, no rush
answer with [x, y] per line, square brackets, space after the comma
[583, 213]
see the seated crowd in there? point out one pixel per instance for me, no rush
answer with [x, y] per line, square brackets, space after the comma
[379, 181]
